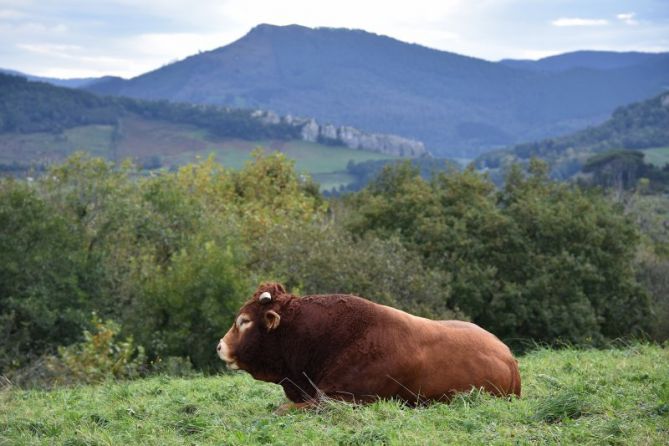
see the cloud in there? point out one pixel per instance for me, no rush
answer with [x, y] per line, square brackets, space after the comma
[576, 21]
[10, 14]
[169, 46]
[49, 48]
[627, 18]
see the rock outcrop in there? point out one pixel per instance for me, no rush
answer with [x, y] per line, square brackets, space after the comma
[311, 130]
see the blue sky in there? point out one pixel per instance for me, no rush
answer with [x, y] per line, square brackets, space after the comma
[77, 38]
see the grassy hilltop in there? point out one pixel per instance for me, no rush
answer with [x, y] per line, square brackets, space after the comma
[569, 397]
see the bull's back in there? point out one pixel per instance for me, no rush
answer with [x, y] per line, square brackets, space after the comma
[438, 358]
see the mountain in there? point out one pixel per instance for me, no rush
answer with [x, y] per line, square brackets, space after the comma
[456, 105]
[70, 83]
[639, 126]
[596, 60]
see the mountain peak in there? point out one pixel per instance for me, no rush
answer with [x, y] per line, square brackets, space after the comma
[268, 29]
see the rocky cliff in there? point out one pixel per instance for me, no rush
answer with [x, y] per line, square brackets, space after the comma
[346, 136]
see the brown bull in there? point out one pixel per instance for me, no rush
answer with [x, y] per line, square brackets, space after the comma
[351, 349]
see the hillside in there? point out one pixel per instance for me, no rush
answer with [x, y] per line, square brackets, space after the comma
[596, 60]
[41, 124]
[569, 397]
[639, 126]
[70, 83]
[456, 105]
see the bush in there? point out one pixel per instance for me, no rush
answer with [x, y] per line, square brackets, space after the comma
[99, 357]
[538, 260]
[318, 259]
[185, 307]
[42, 267]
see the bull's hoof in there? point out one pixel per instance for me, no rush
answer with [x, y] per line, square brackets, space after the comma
[292, 407]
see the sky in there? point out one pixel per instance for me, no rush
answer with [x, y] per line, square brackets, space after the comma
[87, 38]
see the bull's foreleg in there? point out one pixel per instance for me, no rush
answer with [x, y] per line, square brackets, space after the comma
[315, 403]
[288, 407]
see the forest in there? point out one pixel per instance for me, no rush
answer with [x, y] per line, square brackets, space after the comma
[29, 107]
[633, 127]
[104, 272]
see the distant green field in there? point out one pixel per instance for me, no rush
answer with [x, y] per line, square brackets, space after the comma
[176, 145]
[333, 180]
[580, 397]
[310, 157]
[44, 147]
[658, 156]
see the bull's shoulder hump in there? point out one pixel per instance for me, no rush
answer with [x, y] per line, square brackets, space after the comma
[464, 325]
[333, 299]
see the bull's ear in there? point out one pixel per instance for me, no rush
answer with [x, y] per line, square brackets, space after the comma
[272, 320]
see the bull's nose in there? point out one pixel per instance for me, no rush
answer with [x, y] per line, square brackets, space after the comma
[218, 347]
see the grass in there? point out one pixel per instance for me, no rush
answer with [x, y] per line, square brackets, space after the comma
[41, 147]
[569, 397]
[331, 180]
[177, 145]
[658, 156]
[309, 157]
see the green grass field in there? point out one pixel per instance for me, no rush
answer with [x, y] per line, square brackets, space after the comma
[569, 397]
[177, 145]
[658, 156]
[309, 157]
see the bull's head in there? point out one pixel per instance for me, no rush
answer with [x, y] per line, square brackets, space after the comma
[248, 343]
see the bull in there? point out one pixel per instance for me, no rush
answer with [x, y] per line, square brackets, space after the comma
[350, 349]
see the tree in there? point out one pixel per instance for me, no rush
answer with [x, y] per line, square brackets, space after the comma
[538, 259]
[42, 301]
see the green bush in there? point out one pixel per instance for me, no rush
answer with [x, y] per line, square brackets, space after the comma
[100, 356]
[42, 267]
[185, 307]
[538, 260]
[319, 259]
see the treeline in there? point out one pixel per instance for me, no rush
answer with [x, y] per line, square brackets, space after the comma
[365, 171]
[30, 107]
[636, 126]
[625, 170]
[171, 257]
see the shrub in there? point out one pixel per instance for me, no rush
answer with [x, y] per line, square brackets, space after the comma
[100, 356]
[538, 259]
[42, 267]
[317, 259]
[186, 306]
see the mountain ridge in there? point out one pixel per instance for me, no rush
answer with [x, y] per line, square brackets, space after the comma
[592, 59]
[457, 105]
[638, 126]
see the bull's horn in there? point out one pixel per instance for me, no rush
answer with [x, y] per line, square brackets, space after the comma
[265, 297]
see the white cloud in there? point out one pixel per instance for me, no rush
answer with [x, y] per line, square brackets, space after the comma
[49, 48]
[10, 14]
[178, 45]
[536, 54]
[576, 21]
[627, 18]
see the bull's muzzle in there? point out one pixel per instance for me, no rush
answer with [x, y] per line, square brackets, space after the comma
[224, 353]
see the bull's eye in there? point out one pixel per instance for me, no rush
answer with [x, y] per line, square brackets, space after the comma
[241, 320]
